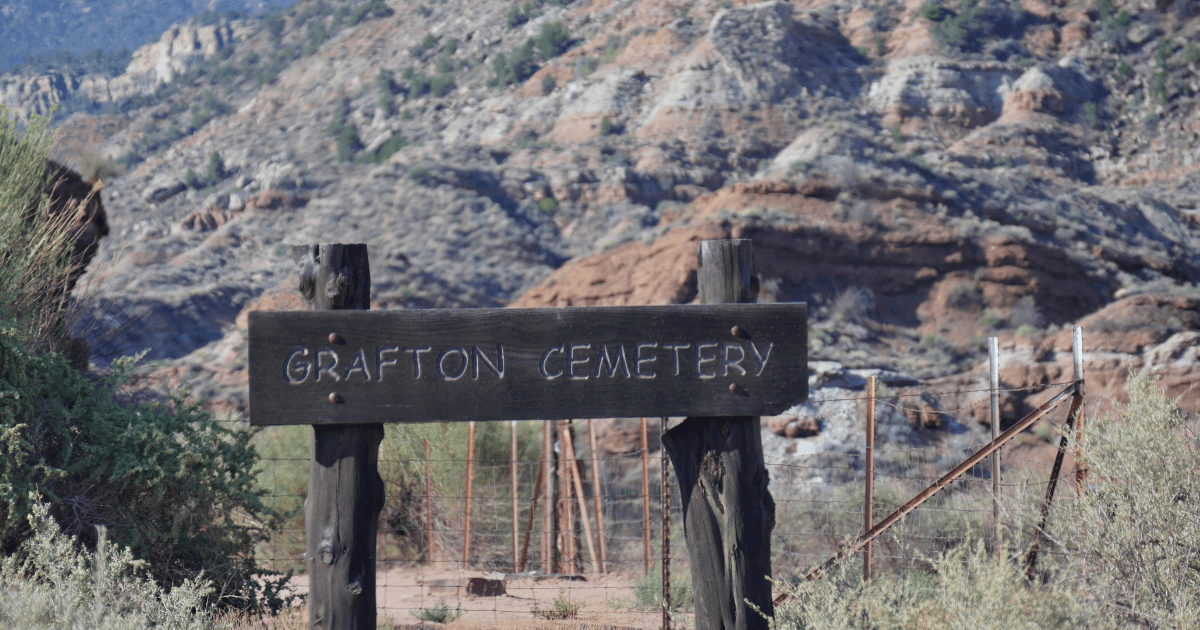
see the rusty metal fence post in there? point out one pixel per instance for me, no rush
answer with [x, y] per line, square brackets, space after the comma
[869, 494]
[994, 364]
[666, 528]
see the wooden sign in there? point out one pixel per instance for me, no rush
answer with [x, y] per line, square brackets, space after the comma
[323, 367]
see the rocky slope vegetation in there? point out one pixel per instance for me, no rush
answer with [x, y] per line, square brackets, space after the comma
[924, 176]
[46, 27]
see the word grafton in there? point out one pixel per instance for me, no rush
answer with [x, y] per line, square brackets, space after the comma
[318, 367]
[574, 361]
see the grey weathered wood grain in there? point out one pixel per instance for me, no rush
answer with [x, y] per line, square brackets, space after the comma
[728, 511]
[345, 492]
[394, 392]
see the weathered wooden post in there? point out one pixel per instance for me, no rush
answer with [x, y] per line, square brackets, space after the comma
[345, 492]
[728, 512]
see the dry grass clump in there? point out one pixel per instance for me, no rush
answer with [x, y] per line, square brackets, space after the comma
[35, 244]
[1124, 553]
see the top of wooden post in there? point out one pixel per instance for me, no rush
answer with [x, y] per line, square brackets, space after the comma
[725, 272]
[334, 276]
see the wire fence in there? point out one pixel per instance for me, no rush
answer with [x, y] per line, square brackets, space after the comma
[480, 540]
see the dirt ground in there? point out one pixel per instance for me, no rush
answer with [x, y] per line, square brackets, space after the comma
[402, 592]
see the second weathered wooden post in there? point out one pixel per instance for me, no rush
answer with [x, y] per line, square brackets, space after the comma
[728, 512]
[345, 492]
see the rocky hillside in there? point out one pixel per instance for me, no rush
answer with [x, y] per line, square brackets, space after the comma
[924, 175]
[46, 27]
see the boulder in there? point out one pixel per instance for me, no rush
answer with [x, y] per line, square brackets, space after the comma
[162, 188]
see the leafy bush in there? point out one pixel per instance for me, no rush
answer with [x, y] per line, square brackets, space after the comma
[553, 40]
[216, 167]
[606, 126]
[210, 107]
[974, 24]
[385, 150]
[548, 84]
[514, 67]
[170, 482]
[992, 318]
[192, 179]
[441, 84]
[933, 12]
[547, 205]
[516, 17]
[348, 143]
[373, 8]
[426, 44]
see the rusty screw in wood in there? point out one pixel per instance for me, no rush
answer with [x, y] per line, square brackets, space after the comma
[736, 331]
[335, 338]
[334, 398]
[733, 388]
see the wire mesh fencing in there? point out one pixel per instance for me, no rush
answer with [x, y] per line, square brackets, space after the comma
[473, 531]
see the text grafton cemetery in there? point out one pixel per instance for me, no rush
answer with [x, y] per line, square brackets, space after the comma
[513, 364]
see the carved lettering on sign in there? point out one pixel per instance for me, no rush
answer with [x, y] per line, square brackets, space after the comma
[576, 361]
[502, 364]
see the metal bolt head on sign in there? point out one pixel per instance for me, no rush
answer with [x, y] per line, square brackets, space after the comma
[518, 364]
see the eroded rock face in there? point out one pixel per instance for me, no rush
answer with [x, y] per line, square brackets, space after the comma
[935, 91]
[180, 48]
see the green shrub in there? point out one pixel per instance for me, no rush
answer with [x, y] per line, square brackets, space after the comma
[548, 84]
[1124, 70]
[992, 318]
[385, 150]
[932, 11]
[1193, 54]
[606, 126]
[192, 179]
[441, 84]
[587, 65]
[553, 40]
[514, 67]
[439, 614]
[426, 44]
[170, 482]
[516, 17]
[373, 8]
[1091, 115]
[216, 167]
[348, 143]
[547, 205]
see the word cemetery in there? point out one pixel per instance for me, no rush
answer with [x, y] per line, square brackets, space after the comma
[517, 364]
